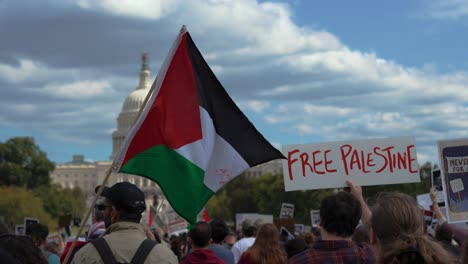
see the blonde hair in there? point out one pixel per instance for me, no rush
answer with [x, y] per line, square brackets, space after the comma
[398, 225]
[266, 249]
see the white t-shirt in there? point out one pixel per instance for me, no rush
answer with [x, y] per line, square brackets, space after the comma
[241, 246]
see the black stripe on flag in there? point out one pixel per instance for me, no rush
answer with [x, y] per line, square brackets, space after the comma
[229, 121]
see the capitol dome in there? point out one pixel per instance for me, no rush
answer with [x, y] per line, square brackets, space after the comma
[134, 100]
[131, 107]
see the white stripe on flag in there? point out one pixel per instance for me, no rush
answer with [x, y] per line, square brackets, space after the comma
[214, 155]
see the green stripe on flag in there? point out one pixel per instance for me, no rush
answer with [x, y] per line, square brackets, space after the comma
[179, 179]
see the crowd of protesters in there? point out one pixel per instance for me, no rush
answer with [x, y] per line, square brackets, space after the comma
[392, 230]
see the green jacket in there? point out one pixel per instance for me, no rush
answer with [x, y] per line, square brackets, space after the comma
[124, 238]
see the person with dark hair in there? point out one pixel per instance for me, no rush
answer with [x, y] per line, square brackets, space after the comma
[125, 240]
[243, 244]
[20, 248]
[7, 258]
[266, 248]
[230, 240]
[219, 231]
[39, 232]
[176, 246]
[309, 238]
[199, 237]
[339, 215]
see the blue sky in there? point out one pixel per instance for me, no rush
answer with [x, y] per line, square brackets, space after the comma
[302, 71]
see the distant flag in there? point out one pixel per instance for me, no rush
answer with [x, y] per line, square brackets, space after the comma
[206, 217]
[191, 138]
[151, 214]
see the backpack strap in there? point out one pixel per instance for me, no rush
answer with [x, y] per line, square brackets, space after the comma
[143, 251]
[104, 250]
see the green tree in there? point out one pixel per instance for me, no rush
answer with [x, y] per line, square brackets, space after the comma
[17, 203]
[23, 163]
[413, 189]
[264, 195]
[59, 201]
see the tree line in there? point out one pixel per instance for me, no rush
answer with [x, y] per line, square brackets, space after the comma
[26, 189]
[265, 194]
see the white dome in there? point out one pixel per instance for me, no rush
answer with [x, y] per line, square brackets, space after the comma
[134, 100]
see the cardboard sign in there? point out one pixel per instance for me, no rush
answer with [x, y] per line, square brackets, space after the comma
[366, 162]
[453, 155]
[315, 217]
[252, 219]
[28, 221]
[298, 229]
[287, 211]
[20, 230]
[424, 200]
[457, 185]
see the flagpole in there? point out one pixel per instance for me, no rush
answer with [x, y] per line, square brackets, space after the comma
[109, 171]
[106, 179]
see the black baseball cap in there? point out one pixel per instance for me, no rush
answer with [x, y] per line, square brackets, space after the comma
[125, 196]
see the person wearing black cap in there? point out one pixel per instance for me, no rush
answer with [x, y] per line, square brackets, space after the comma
[125, 239]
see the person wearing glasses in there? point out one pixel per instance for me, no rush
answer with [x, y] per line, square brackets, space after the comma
[125, 240]
[98, 228]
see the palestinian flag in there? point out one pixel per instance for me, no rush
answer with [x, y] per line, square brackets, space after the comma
[191, 138]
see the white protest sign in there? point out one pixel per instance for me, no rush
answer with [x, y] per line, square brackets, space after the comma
[315, 217]
[457, 164]
[287, 211]
[252, 219]
[457, 185]
[19, 230]
[298, 229]
[366, 162]
[424, 200]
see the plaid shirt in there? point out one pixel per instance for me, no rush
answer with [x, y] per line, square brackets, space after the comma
[335, 251]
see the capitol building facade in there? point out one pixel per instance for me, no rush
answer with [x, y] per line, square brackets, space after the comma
[87, 175]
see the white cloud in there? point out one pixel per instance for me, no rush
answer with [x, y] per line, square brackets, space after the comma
[80, 89]
[256, 106]
[25, 70]
[301, 78]
[447, 9]
[23, 109]
[276, 145]
[328, 110]
[84, 4]
[147, 9]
